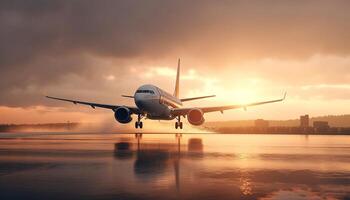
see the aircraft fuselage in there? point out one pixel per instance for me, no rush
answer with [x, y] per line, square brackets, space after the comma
[155, 102]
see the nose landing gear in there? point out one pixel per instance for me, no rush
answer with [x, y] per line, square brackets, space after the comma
[178, 124]
[138, 123]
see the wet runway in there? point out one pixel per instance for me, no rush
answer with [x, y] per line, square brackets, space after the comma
[169, 166]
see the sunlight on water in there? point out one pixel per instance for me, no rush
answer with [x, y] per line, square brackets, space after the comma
[169, 166]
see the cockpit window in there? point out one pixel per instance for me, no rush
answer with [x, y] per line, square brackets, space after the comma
[145, 91]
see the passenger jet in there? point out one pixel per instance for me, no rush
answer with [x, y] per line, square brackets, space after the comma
[156, 104]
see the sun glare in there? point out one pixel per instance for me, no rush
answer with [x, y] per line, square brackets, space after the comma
[242, 96]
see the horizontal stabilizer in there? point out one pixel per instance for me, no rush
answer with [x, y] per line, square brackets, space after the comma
[128, 96]
[195, 98]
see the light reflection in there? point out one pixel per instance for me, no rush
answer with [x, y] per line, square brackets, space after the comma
[296, 193]
[245, 183]
[186, 166]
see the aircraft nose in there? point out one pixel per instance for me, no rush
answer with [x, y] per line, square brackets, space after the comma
[138, 102]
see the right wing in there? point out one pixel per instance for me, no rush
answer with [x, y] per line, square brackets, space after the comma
[184, 111]
[134, 110]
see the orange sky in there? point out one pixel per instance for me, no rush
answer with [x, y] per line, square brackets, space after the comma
[240, 51]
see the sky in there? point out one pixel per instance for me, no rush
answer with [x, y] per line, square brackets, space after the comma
[242, 51]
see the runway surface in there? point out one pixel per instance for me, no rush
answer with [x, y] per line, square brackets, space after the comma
[170, 166]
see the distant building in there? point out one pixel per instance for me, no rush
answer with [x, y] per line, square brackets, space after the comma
[304, 121]
[321, 126]
[260, 123]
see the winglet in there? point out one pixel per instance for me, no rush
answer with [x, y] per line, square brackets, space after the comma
[284, 97]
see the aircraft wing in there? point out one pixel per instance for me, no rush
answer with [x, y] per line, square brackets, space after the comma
[134, 110]
[184, 111]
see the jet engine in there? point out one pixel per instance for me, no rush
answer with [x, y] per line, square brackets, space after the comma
[195, 117]
[123, 115]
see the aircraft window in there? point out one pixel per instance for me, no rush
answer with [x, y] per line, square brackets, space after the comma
[145, 91]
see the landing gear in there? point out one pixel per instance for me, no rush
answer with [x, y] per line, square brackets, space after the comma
[138, 123]
[178, 124]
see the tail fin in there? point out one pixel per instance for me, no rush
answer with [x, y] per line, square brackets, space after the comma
[176, 92]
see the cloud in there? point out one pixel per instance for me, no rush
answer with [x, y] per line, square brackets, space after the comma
[110, 77]
[71, 48]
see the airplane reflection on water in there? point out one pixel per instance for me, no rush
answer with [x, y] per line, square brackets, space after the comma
[160, 161]
[153, 159]
[201, 166]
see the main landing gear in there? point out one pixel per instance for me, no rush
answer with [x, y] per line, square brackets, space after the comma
[178, 124]
[138, 123]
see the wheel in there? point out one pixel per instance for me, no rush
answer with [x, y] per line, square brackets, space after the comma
[176, 125]
[136, 124]
[180, 125]
[141, 124]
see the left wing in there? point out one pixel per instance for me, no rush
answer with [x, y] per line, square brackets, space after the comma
[184, 111]
[134, 110]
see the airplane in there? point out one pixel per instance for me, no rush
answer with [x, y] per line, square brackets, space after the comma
[155, 103]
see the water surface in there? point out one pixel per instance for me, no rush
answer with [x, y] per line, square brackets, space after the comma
[165, 166]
